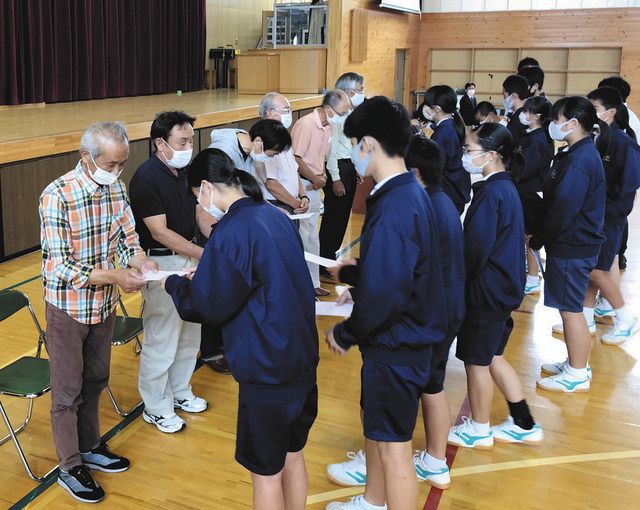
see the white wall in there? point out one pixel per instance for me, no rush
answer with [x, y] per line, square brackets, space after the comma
[520, 5]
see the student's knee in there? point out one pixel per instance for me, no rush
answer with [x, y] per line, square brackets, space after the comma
[267, 480]
[393, 450]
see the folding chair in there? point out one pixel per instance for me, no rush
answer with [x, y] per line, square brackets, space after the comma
[126, 329]
[27, 377]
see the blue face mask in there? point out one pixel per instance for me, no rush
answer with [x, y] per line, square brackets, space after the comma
[361, 164]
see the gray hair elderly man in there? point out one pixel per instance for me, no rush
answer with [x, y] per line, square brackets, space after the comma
[342, 179]
[278, 177]
[86, 222]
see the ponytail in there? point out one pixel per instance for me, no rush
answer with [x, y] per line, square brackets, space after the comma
[248, 184]
[460, 126]
[445, 97]
[516, 164]
[622, 119]
[603, 139]
[495, 137]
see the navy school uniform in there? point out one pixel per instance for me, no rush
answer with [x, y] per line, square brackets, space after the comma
[622, 176]
[451, 243]
[515, 127]
[538, 152]
[399, 313]
[456, 180]
[253, 281]
[495, 269]
[574, 197]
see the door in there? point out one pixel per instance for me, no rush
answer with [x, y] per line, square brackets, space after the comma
[401, 81]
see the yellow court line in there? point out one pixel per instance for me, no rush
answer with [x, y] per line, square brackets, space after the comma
[488, 468]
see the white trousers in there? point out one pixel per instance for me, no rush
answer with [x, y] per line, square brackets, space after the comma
[309, 232]
[170, 345]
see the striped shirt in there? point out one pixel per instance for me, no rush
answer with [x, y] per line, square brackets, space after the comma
[84, 226]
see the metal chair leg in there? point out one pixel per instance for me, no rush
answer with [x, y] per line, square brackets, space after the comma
[117, 407]
[12, 435]
[21, 427]
[137, 346]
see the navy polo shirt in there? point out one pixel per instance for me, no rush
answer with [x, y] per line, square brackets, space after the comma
[155, 190]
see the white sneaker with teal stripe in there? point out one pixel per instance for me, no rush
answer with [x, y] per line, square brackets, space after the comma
[439, 479]
[558, 329]
[465, 435]
[559, 367]
[564, 383]
[532, 290]
[603, 308]
[620, 333]
[509, 432]
[350, 473]
[356, 503]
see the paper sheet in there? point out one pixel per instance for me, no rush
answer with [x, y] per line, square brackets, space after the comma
[302, 216]
[321, 261]
[332, 309]
[156, 277]
[540, 194]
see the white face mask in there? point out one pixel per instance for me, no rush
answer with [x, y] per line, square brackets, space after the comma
[508, 104]
[286, 119]
[471, 92]
[357, 99]
[337, 120]
[467, 163]
[426, 114]
[102, 177]
[260, 158]
[180, 159]
[212, 209]
[556, 133]
[524, 119]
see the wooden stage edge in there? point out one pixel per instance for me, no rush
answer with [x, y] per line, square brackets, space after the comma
[235, 109]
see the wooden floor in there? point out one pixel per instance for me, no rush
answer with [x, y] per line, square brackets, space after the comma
[590, 457]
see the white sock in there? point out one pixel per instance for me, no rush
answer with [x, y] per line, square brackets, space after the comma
[433, 463]
[576, 373]
[480, 428]
[588, 314]
[533, 280]
[368, 506]
[624, 314]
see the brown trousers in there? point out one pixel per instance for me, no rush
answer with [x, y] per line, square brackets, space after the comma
[80, 355]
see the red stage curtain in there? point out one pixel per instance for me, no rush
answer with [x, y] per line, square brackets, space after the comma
[71, 50]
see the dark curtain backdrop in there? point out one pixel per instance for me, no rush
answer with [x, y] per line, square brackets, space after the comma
[71, 50]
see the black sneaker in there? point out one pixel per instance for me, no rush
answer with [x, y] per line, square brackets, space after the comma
[101, 459]
[622, 262]
[79, 483]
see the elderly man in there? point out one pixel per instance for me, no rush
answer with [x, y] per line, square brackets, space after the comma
[340, 189]
[279, 178]
[86, 222]
[310, 144]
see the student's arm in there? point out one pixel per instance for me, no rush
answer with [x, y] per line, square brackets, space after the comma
[215, 294]
[480, 231]
[157, 225]
[532, 153]
[384, 286]
[568, 199]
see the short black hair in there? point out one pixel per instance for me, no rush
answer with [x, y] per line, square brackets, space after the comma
[274, 136]
[527, 62]
[533, 75]
[383, 119]
[425, 156]
[618, 83]
[484, 108]
[166, 121]
[467, 85]
[518, 85]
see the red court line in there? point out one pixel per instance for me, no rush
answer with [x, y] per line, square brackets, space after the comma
[433, 498]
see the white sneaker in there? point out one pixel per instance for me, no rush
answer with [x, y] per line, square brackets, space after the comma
[465, 435]
[351, 472]
[168, 423]
[509, 432]
[532, 290]
[564, 383]
[603, 308]
[559, 367]
[558, 329]
[191, 405]
[439, 479]
[620, 333]
[354, 504]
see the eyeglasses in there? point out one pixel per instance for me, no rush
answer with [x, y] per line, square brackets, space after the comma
[282, 110]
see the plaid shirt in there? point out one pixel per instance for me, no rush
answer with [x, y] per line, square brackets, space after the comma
[84, 226]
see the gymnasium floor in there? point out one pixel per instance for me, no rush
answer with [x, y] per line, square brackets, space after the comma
[590, 457]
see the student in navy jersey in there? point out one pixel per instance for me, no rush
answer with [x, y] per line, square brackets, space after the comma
[398, 312]
[572, 232]
[424, 156]
[439, 107]
[495, 270]
[538, 150]
[253, 281]
[622, 175]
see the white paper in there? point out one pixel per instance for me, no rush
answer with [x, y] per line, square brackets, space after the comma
[340, 289]
[159, 275]
[302, 216]
[332, 309]
[540, 194]
[321, 261]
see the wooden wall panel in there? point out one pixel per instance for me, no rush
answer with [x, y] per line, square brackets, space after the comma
[540, 29]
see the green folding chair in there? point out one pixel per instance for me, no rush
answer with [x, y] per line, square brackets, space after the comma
[126, 329]
[27, 377]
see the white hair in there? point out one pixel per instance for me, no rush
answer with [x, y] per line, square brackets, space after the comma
[269, 103]
[349, 81]
[100, 133]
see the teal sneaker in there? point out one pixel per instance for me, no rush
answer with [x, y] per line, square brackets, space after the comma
[440, 479]
[532, 290]
[509, 432]
[465, 435]
[559, 367]
[563, 383]
[350, 473]
[620, 333]
[603, 309]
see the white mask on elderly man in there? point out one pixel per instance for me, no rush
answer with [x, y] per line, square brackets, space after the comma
[102, 177]
[286, 119]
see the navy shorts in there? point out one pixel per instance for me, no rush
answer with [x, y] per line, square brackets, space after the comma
[613, 231]
[389, 399]
[266, 433]
[481, 338]
[439, 358]
[566, 281]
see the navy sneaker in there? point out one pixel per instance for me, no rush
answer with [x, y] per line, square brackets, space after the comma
[101, 459]
[79, 483]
